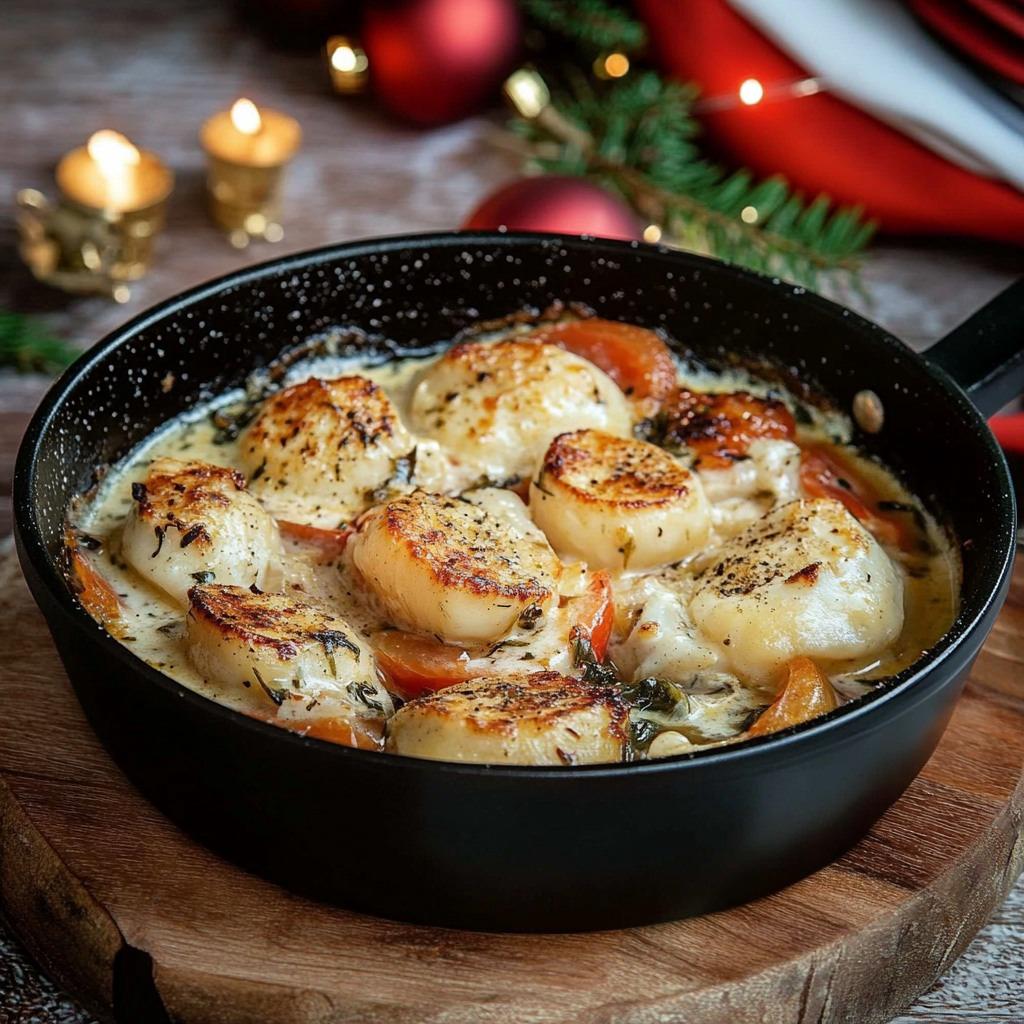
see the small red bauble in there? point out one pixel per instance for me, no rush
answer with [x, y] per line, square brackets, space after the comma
[434, 61]
[561, 205]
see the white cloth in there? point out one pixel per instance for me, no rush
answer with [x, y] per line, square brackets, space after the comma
[874, 55]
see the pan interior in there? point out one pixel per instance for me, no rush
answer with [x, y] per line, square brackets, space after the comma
[411, 296]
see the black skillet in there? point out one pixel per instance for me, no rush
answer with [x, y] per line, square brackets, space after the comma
[525, 848]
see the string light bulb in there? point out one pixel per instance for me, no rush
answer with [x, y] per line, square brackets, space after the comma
[751, 92]
[652, 234]
[749, 215]
[530, 97]
[527, 92]
[611, 65]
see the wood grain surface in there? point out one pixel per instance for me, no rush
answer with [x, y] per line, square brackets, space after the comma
[129, 913]
[154, 72]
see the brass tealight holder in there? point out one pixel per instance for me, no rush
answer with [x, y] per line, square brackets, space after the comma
[100, 234]
[347, 65]
[247, 149]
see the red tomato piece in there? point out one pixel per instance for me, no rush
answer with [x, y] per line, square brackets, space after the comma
[365, 734]
[328, 544]
[721, 428]
[805, 694]
[414, 664]
[825, 474]
[634, 357]
[595, 612]
[94, 593]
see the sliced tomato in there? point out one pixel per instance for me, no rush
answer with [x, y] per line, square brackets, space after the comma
[721, 428]
[94, 593]
[824, 473]
[634, 357]
[414, 664]
[595, 612]
[367, 734]
[805, 694]
[328, 544]
[364, 734]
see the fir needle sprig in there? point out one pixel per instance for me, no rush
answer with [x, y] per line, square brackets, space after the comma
[637, 136]
[30, 348]
[595, 24]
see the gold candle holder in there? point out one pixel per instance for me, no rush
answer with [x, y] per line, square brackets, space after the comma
[247, 149]
[347, 65]
[100, 235]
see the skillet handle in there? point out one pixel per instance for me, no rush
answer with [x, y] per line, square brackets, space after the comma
[985, 354]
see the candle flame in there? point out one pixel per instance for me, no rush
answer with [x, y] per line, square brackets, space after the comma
[344, 58]
[111, 151]
[245, 116]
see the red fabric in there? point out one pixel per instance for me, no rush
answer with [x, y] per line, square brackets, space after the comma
[1009, 431]
[970, 33]
[1003, 13]
[821, 143]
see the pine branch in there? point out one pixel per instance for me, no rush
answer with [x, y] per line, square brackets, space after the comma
[596, 26]
[30, 348]
[638, 137]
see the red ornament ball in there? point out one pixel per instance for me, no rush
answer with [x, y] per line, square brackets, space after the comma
[434, 61]
[558, 204]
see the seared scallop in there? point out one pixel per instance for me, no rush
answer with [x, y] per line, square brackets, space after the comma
[806, 579]
[194, 520]
[497, 405]
[318, 450]
[540, 719]
[617, 503]
[297, 658]
[452, 568]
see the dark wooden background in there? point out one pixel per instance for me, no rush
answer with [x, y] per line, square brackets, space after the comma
[68, 67]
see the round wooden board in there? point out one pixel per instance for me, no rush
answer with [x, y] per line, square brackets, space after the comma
[143, 925]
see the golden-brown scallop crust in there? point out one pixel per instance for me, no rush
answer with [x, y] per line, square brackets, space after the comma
[465, 548]
[600, 468]
[503, 704]
[524, 718]
[365, 415]
[747, 568]
[269, 621]
[176, 494]
[514, 362]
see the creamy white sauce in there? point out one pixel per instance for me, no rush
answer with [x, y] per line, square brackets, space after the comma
[718, 705]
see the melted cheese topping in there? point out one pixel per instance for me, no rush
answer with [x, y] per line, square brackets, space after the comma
[467, 566]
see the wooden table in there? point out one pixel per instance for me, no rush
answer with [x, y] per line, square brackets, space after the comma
[154, 72]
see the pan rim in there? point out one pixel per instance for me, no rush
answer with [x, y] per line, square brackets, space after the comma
[903, 687]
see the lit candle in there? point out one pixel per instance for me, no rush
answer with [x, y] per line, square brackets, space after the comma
[100, 235]
[247, 149]
[110, 173]
[347, 64]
